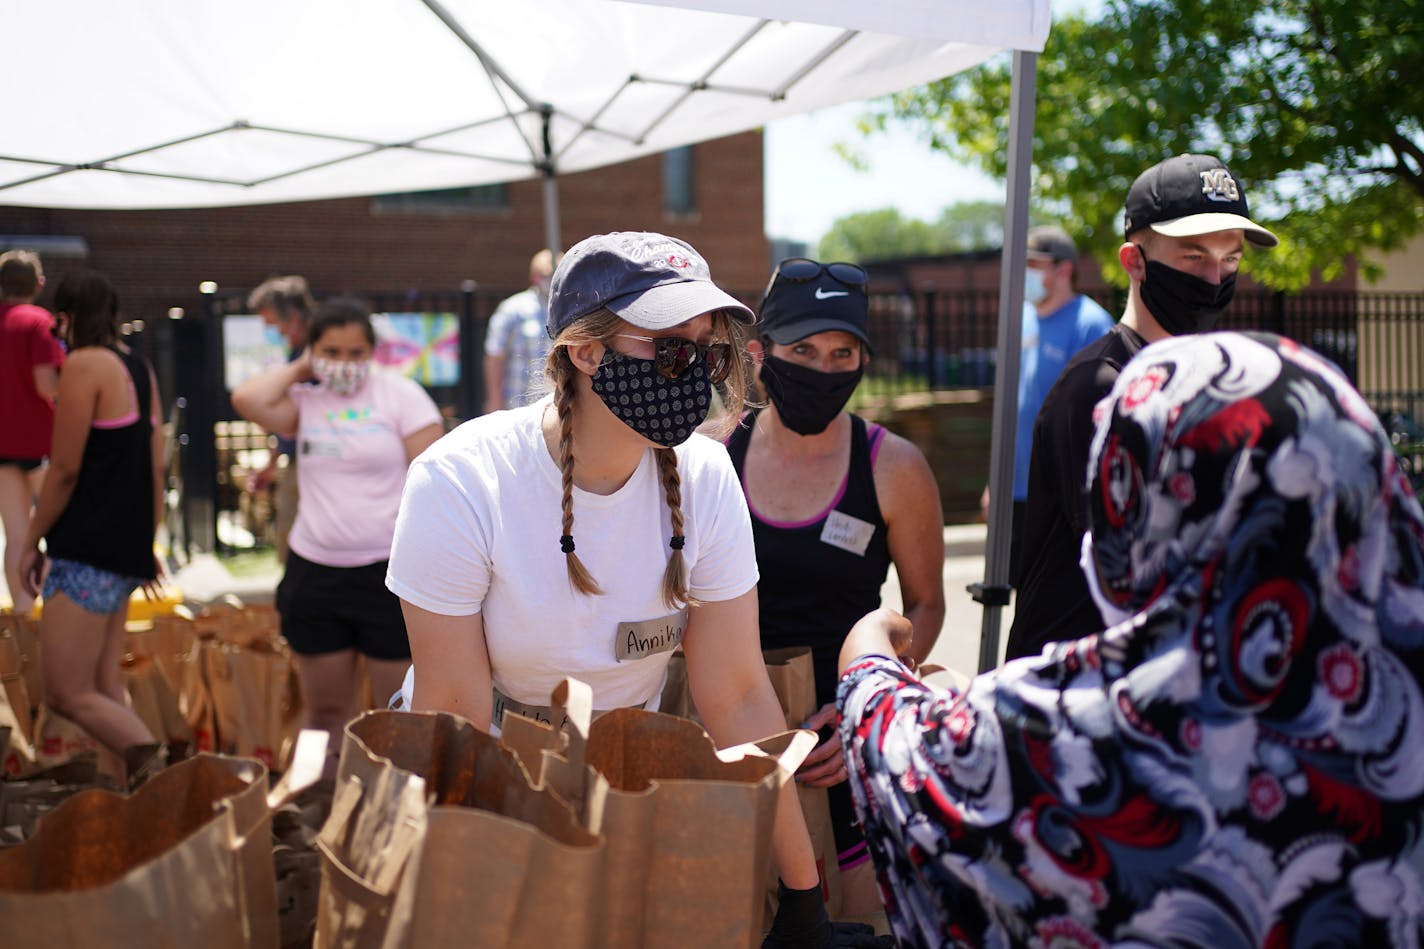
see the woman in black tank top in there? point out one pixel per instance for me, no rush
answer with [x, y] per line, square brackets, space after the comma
[834, 501]
[97, 513]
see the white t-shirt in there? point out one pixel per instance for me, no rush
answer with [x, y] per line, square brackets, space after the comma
[352, 456]
[478, 532]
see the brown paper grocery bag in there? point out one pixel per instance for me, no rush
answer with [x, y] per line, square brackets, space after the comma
[22, 632]
[153, 700]
[792, 676]
[437, 838]
[688, 828]
[255, 698]
[184, 861]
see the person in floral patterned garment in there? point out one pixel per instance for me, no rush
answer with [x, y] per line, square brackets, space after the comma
[1238, 759]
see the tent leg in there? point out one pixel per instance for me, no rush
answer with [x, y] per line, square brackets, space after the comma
[993, 593]
[551, 214]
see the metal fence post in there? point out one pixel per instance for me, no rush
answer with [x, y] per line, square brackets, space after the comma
[931, 344]
[196, 376]
[472, 367]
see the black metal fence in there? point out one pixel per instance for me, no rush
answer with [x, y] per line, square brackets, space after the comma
[925, 341]
[947, 340]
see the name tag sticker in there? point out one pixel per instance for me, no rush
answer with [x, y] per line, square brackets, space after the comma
[847, 533]
[328, 448]
[639, 640]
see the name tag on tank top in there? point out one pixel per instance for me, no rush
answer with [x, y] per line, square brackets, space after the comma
[639, 640]
[847, 533]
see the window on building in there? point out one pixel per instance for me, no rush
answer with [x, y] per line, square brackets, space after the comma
[679, 196]
[475, 199]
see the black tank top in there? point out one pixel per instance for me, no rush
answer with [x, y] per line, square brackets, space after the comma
[820, 575]
[108, 522]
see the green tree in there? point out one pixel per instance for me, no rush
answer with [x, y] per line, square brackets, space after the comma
[971, 225]
[1317, 105]
[876, 235]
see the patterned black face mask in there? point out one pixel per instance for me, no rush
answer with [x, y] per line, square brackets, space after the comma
[665, 411]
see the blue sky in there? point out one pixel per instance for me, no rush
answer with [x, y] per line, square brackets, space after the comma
[808, 185]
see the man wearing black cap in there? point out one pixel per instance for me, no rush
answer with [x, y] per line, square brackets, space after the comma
[1058, 321]
[1185, 224]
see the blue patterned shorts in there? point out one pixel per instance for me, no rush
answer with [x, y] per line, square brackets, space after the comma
[97, 591]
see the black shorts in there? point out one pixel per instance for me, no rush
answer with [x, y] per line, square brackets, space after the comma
[24, 464]
[329, 609]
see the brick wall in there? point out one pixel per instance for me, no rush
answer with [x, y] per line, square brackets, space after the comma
[158, 258]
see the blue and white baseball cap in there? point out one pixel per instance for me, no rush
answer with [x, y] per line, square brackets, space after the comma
[651, 280]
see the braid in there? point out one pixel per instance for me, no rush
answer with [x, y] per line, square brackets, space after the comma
[675, 593]
[564, 393]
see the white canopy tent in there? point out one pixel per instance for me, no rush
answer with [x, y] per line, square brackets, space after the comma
[203, 103]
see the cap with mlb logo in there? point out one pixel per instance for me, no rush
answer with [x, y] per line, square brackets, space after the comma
[1190, 195]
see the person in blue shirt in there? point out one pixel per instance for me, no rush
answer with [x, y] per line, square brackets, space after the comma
[1057, 322]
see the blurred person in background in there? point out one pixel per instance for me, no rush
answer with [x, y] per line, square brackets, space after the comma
[97, 514]
[30, 357]
[516, 343]
[286, 304]
[356, 431]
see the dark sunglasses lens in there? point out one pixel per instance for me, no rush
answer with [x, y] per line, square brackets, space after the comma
[799, 269]
[848, 274]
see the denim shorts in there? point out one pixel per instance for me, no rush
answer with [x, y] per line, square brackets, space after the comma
[97, 591]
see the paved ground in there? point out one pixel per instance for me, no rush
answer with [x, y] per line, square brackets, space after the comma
[206, 579]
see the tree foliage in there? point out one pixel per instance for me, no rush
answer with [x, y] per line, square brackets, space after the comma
[1317, 105]
[875, 235]
[878, 235]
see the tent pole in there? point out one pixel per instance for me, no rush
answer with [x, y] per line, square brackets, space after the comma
[551, 183]
[551, 214]
[994, 591]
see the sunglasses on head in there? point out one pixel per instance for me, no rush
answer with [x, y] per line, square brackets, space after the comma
[674, 355]
[802, 269]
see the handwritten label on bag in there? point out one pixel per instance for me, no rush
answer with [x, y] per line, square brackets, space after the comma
[639, 640]
[847, 533]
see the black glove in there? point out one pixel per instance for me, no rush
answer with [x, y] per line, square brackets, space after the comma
[859, 936]
[801, 921]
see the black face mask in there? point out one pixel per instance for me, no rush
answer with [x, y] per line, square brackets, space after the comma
[666, 411]
[807, 400]
[1182, 303]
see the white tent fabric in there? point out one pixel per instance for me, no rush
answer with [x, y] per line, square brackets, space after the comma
[204, 103]
[193, 103]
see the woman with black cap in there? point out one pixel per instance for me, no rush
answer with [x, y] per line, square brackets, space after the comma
[834, 501]
[590, 533]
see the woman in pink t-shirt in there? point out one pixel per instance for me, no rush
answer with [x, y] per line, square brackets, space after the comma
[357, 429]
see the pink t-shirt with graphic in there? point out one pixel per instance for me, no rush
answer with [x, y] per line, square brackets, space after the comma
[351, 466]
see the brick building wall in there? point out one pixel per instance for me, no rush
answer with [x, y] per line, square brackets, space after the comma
[158, 258]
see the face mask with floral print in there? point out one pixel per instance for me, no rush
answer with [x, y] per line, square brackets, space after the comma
[341, 376]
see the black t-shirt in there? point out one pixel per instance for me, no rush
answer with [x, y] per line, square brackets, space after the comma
[1053, 603]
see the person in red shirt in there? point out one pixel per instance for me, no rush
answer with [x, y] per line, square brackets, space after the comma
[30, 357]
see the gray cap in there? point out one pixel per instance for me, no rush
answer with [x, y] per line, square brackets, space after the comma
[1051, 243]
[651, 280]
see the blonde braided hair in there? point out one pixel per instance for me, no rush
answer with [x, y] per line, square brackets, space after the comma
[600, 326]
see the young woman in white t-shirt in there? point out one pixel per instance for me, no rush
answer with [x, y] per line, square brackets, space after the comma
[589, 534]
[357, 429]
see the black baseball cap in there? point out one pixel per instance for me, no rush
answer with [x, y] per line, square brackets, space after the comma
[651, 280]
[1190, 195]
[1051, 243]
[791, 310]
